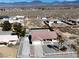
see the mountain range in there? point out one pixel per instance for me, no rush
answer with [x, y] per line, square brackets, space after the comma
[37, 3]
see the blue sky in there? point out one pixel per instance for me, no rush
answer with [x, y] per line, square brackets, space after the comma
[32, 0]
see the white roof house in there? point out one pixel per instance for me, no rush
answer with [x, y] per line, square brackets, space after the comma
[5, 36]
[18, 19]
[5, 19]
[57, 20]
[54, 21]
[13, 19]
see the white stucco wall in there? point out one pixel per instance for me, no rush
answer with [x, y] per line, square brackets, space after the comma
[38, 49]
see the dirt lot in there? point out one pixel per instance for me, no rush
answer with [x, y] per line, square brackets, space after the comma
[8, 52]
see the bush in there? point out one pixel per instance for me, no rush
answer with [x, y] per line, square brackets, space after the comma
[10, 45]
[63, 48]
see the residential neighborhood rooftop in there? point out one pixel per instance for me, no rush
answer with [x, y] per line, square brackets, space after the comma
[5, 32]
[40, 35]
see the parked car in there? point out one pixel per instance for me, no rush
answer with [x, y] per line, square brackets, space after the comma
[53, 46]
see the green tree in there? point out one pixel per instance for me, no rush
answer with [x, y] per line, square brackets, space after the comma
[23, 32]
[18, 28]
[6, 26]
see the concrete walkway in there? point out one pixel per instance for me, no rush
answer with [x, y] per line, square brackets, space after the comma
[24, 48]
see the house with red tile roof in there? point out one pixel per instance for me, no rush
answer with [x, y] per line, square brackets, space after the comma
[40, 41]
[42, 34]
[38, 37]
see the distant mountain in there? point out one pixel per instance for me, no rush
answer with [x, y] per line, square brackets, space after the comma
[44, 3]
[73, 2]
[26, 3]
[76, 2]
[40, 3]
[36, 1]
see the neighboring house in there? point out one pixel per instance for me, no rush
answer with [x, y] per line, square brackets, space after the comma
[41, 37]
[41, 34]
[36, 39]
[6, 37]
[55, 21]
[13, 19]
[71, 21]
[18, 19]
[75, 21]
[4, 18]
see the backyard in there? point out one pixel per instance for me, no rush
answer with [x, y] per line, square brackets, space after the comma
[8, 52]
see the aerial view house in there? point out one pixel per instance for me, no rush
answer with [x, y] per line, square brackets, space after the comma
[12, 19]
[74, 21]
[55, 21]
[40, 37]
[18, 19]
[42, 34]
[37, 37]
[52, 22]
[41, 42]
[8, 38]
[4, 18]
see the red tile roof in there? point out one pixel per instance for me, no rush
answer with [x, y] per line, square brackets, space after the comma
[40, 35]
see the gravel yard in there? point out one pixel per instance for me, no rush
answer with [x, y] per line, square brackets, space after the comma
[70, 30]
[52, 53]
